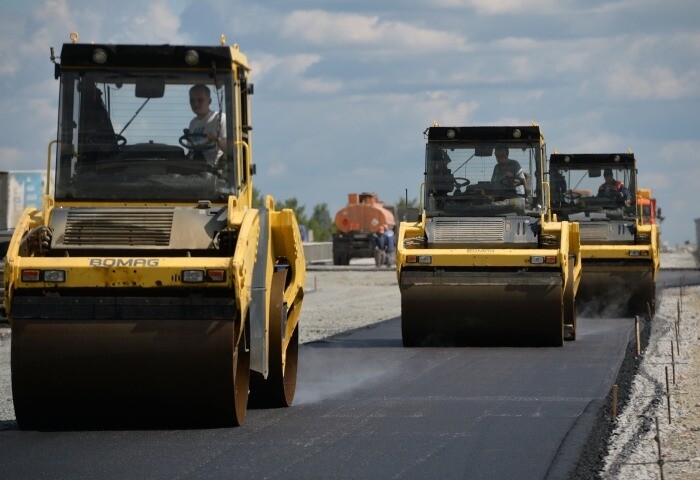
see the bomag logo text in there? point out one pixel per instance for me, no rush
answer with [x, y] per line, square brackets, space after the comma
[123, 262]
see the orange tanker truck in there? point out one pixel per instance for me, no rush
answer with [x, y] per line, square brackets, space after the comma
[356, 222]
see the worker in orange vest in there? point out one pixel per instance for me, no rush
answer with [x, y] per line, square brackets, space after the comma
[612, 188]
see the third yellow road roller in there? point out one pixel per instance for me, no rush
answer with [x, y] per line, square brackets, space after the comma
[619, 248]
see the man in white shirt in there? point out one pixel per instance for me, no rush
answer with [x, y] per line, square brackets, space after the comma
[206, 129]
[508, 172]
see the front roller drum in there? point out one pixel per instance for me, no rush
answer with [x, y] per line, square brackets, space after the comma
[487, 309]
[120, 372]
[614, 290]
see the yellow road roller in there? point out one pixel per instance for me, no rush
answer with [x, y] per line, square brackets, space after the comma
[487, 264]
[147, 288]
[619, 249]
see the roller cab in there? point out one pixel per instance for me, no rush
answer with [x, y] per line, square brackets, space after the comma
[147, 288]
[487, 264]
[619, 247]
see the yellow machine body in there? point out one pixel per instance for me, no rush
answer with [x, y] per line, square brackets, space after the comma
[147, 288]
[619, 249]
[484, 265]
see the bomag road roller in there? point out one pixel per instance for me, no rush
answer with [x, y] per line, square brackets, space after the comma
[147, 288]
[619, 249]
[487, 264]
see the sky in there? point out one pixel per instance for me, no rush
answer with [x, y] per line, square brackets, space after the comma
[345, 89]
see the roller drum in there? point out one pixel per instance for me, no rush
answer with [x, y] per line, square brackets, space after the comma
[463, 308]
[615, 290]
[68, 371]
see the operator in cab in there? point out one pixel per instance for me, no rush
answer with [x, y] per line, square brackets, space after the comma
[612, 188]
[208, 128]
[508, 173]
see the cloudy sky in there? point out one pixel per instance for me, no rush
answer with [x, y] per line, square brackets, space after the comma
[344, 89]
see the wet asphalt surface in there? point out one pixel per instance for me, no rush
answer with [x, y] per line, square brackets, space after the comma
[368, 408]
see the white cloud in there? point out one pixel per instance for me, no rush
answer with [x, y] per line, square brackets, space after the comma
[13, 158]
[277, 169]
[157, 24]
[290, 73]
[657, 82]
[444, 107]
[675, 155]
[319, 27]
[498, 7]
[658, 179]
[519, 97]
[517, 44]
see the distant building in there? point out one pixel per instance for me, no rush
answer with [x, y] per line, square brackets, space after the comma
[19, 189]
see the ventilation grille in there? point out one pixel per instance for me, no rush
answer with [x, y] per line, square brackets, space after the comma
[130, 227]
[466, 230]
[591, 232]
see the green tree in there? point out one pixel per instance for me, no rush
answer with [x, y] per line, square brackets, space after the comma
[412, 203]
[321, 223]
[258, 200]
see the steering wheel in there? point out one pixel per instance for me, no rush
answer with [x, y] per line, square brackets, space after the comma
[105, 138]
[187, 140]
[511, 181]
[570, 196]
[461, 181]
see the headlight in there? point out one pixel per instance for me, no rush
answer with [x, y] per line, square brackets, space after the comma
[193, 276]
[54, 276]
[191, 57]
[99, 56]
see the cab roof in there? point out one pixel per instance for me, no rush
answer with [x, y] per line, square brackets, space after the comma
[591, 159]
[80, 55]
[501, 134]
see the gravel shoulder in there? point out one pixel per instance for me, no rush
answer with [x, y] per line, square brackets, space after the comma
[338, 301]
[632, 448]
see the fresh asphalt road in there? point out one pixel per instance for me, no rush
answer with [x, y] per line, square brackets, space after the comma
[368, 408]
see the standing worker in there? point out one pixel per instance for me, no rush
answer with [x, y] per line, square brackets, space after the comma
[379, 241]
[390, 246]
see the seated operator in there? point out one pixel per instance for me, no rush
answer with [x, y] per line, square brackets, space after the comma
[612, 188]
[558, 184]
[441, 181]
[207, 130]
[508, 173]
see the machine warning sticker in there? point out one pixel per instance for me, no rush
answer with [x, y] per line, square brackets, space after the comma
[123, 262]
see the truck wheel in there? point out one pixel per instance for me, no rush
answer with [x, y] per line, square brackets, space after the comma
[279, 387]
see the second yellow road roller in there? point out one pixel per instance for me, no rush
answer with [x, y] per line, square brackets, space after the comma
[487, 263]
